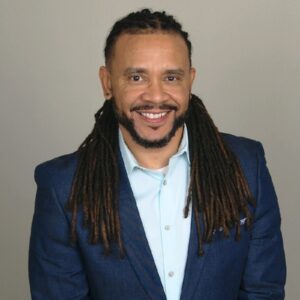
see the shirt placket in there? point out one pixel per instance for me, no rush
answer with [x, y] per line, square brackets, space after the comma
[168, 234]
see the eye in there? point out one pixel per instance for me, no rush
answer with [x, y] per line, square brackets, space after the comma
[171, 78]
[135, 77]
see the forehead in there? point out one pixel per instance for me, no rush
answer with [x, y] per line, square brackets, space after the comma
[143, 48]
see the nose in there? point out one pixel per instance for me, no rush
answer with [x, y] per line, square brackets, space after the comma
[155, 92]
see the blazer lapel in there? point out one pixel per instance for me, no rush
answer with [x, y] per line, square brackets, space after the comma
[194, 264]
[136, 245]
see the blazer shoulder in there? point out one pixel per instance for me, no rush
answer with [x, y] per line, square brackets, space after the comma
[244, 148]
[57, 171]
[251, 156]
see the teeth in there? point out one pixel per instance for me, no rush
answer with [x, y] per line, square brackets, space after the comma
[153, 116]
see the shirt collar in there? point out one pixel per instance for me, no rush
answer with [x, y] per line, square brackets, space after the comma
[131, 163]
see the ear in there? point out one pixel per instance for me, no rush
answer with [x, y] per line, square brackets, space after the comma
[192, 75]
[105, 80]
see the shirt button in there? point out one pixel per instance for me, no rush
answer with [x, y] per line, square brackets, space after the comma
[167, 227]
[171, 274]
[165, 182]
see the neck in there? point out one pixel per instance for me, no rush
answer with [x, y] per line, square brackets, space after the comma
[153, 158]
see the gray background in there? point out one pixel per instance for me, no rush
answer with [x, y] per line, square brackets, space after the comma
[247, 54]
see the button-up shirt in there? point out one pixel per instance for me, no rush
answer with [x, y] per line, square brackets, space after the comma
[161, 197]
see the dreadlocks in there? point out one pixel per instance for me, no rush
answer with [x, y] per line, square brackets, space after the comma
[218, 189]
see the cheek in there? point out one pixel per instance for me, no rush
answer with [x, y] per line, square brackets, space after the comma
[123, 88]
[127, 97]
[181, 89]
[125, 100]
[181, 96]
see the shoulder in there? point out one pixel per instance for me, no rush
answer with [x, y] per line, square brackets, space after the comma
[250, 154]
[244, 148]
[57, 171]
[241, 144]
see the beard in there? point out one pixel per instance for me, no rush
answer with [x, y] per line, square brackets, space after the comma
[128, 124]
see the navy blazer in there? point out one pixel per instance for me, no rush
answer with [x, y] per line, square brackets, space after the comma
[250, 269]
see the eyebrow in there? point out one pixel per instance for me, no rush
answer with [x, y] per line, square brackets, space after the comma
[131, 70]
[179, 72]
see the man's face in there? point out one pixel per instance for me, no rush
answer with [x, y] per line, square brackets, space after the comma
[150, 79]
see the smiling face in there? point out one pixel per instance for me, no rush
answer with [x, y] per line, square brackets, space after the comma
[150, 79]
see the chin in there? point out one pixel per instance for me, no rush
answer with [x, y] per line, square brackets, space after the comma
[155, 142]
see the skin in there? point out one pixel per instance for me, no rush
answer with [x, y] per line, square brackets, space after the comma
[150, 73]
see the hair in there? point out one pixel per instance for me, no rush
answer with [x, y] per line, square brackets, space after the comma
[218, 189]
[144, 21]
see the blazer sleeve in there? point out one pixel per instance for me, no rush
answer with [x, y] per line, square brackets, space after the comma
[55, 267]
[265, 271]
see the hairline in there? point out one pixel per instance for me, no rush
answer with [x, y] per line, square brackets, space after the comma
[141, 31]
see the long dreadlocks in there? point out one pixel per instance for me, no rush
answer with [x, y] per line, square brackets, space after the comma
[218, 189]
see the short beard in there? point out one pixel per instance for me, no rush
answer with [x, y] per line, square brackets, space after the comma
[129, 126]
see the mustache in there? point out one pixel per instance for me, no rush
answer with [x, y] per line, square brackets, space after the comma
[154, 106]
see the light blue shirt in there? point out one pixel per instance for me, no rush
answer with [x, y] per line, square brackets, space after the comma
[161, 197]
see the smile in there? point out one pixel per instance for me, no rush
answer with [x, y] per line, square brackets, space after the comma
[157, 118]
[153, 116]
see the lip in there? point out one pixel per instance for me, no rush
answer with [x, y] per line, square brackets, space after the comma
[154, 117]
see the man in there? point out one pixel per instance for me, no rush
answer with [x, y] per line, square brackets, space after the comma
[156, 203]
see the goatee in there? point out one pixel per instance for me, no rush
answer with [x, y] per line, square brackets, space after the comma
[128, 124]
